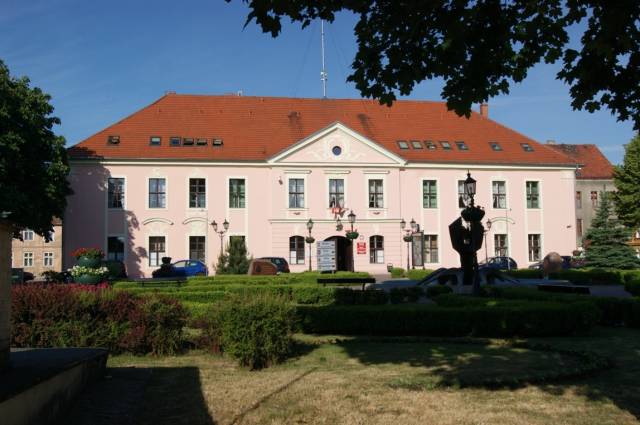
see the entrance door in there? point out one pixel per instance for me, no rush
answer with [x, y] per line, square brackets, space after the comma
[344, 253]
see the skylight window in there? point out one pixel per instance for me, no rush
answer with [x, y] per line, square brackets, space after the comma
[175, 141]
[201, 142]
[445, 145]
[113, 140]
[155, 140]
[187, 141]
[416, 144]
[462, 145]
[216, 142]
[430, 145]
[526, 147]
[402, 144]
[495, 146]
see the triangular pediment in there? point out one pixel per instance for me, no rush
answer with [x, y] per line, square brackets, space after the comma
[337, 144]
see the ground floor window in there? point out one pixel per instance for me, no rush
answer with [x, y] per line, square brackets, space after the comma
[27, 259]
[430, 248]
[296, 250]
[196, 248]
[156, 250]
[376, 250]
[534, 248]
[115, 248]
[47, 259]
[500, 246]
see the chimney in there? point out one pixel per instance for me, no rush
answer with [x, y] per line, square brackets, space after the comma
[551, 142]
[484, 110]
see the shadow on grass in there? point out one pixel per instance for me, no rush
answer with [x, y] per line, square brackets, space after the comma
[135, 395]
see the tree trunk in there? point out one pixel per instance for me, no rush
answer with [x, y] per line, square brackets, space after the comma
[5, 291]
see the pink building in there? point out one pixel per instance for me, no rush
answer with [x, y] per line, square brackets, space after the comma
[152, 184]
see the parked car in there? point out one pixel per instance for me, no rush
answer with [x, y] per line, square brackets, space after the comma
[18, 275]
[190, 268]
[500, 263]
[279, 262]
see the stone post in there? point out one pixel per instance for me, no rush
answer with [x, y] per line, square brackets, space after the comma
[6, 234]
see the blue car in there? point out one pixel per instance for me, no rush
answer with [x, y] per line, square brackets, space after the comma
[190, 268]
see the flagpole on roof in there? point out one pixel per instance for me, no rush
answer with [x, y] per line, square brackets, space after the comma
[323, 73]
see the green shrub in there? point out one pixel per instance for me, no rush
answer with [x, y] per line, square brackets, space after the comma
[575, 276]
[434, 291]
[255, 331]
[397, 272]
[418, 274]
[403, 295]
[519, 319]
[632, 283]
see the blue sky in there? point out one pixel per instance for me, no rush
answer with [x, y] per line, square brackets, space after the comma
[101, 61]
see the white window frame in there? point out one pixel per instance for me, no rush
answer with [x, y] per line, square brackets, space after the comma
[376, 256]
[27, 259]
[425, 179]
[206, 193]
[539, 207]
[539, 248]
[298, 260]
[246, 192]
[506, 194]
[383, 178]
[424, 254]
[166, 194]
[124, 198]
[29, 232]
[46, 257]
[166, 249]
[304, 192]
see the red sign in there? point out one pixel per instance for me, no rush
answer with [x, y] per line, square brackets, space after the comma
[361, 247]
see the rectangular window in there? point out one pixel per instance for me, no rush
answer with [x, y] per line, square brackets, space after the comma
[197, 193]
[296, 193]
[115, 248]
[578, 199]
[495, 146]
[201, 142]
[533, 195]
[155, 141]
[526, 147]
[376, 250]
[336, 193]
[236, 193]
[594, 198]
[430, 145]
[499, 195]
[430, 248]
[534, 248]
[579, 227]
[429, 194]
[462, 197]
[27, 259]
[175, 141]
[47, 259]
[296, 250]
[157, 193]
[445, 146]
[462, 146]
[376, 194]
[402, 144]
[196, 248]
[416, 144]
[187, 141]
[156, 250]
[115, 192]
[27, 235]
[500, 247]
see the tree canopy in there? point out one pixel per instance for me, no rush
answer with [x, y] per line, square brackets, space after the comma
[627, 180]
[33, 160]
[607, 240]
[480, 48]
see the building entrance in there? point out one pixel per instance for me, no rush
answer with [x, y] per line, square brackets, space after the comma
[344, 253]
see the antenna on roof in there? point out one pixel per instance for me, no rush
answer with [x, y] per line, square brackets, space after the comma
[323, 73]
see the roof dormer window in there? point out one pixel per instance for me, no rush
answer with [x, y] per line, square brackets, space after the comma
[462, 145]
[155, 140]
[201, 142]
[430, 145]
[113, 140]
[495, 146]
[402, 144]
[416, 144]
[445, 145]
[187, 141]
[216, 142]
[526, 147]
[175, 141]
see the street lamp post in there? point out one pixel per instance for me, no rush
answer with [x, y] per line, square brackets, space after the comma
[473, 215]
[406, 238]
[414, 228]
[225, 227]
[310, 239]
[486, 251]
[352, 235]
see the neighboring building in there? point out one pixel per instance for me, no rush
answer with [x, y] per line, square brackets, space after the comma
[594, 176]
[34, 254]
[150, 185]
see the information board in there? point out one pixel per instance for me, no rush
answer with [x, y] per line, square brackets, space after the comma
[361, 247]
[417, 248]
[326, 255]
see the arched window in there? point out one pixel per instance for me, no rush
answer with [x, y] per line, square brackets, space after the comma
[376, 249]
[296, 250]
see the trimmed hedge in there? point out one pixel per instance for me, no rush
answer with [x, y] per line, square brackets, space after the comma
[632, 283]
[435, 291]
[397, 272]
[581, 276]
[532, 319]
[418, 274]
[86, 316]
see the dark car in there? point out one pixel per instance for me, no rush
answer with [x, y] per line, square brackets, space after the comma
[281, 264]
[500, 263]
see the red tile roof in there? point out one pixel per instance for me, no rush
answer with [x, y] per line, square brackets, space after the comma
[256, 128]
[594, 164]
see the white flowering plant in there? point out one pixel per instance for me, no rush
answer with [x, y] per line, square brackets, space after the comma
[77, 271]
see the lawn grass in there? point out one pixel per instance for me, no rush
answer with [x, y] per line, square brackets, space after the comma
[358, 381]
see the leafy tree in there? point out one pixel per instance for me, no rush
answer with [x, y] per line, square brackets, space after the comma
[480, 48]
[627, 181]
[607, 240]
[33, 160]
[235, 260]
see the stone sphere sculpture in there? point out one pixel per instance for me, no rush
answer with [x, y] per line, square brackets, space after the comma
[551, 263]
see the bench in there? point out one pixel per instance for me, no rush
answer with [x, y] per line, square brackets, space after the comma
[347, 281]
[566, 289]
[152, 281]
